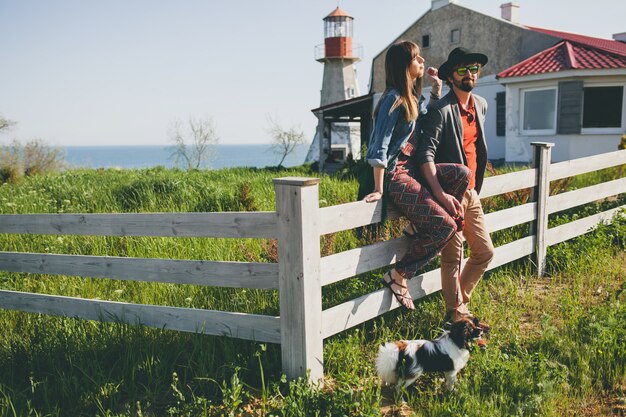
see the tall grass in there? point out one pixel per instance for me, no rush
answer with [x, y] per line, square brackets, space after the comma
[556, 348]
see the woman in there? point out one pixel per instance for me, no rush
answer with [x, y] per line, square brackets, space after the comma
[395, 119]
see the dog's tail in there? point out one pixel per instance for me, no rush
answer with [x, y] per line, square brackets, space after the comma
[387, 361]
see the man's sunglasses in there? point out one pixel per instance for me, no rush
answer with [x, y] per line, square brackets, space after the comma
[473, 69]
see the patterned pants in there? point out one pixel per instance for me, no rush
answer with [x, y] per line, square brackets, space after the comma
[434, 225]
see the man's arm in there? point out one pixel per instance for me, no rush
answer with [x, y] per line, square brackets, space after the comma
[430, 136]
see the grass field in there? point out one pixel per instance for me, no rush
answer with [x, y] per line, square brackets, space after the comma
[557, 346]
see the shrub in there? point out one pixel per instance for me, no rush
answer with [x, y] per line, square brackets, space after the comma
[32, 158]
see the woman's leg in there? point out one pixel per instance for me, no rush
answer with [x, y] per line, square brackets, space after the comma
[434, 226]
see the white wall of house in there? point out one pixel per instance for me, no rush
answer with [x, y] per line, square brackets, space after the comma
[590, 141]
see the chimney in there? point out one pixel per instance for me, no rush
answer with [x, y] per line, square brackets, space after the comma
[510, 12]
[437, 4]
[621, 37]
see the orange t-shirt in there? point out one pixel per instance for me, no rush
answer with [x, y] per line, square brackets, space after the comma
[470, 135]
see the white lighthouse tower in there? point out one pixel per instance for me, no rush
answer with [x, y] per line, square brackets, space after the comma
[334, 141]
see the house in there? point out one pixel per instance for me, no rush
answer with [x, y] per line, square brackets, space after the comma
[572, 94]
[445, 26]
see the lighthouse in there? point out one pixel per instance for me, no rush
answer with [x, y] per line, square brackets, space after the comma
[333, 141]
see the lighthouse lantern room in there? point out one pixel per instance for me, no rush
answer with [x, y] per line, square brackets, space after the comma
[338, 34]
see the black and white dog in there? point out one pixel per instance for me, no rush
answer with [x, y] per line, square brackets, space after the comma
[402, 362]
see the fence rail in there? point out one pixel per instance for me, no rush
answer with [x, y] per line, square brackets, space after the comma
[211, 273]
[232, 224]
[301, 271]
[243, 326]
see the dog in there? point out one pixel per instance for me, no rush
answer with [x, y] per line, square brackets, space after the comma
[403, 361]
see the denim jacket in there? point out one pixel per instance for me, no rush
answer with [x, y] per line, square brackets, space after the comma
[391, 130]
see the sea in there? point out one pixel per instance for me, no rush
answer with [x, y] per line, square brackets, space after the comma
[148, 156]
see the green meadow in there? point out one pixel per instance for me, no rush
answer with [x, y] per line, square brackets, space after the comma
[557, 347]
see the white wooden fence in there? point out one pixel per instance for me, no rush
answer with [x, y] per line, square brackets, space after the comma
[301, 271]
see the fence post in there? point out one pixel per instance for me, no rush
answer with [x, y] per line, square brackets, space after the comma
[542, 156]
[297, 207]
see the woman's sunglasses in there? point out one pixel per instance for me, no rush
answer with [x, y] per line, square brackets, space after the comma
[473, 69]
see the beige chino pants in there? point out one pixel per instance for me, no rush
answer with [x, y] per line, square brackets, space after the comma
[457, 293]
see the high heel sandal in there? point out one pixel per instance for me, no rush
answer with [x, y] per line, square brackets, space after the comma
[403, 297]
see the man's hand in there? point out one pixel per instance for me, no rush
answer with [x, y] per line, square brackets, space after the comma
[450, 203]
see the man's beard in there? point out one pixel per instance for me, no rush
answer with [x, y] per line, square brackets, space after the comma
[464, 86]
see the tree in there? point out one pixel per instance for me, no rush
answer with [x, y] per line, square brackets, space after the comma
[284, 141]
[5, 124]
[194, 142]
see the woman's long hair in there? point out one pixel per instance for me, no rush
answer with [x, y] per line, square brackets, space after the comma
[397, 61]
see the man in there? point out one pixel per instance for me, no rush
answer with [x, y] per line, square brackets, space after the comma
[453, 131]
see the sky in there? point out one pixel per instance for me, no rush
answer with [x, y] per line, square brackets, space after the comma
[121, 72]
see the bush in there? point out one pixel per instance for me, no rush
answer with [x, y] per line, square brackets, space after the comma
[32, 158]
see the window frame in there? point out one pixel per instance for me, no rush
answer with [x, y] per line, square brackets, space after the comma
[427, 36]
[604, 130]
[538, 132]
[452, 41]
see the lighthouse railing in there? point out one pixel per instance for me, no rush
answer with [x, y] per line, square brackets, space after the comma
[320, 52]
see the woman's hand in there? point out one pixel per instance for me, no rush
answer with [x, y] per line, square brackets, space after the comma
[372, 197]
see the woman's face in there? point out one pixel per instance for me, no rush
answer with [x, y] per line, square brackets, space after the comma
[416, 67]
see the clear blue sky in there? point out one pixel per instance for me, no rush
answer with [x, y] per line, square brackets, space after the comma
[76, 72]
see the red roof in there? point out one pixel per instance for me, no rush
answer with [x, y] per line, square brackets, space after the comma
[566, 56]
[605, 44]
[338, 13]
[572, 53]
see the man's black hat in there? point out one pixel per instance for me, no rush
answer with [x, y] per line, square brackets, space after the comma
[460, 56]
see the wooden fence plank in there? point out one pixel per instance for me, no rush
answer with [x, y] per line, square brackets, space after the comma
[354, 312]
[512, 251]
[228, 224]
[300, 289]
[586, 195]
[347, 264]
[587, 164]
[503, 219]
[542, 157]
[352, 215]
[506, 183]
[239, 325]
[569, 230]
[210, 273]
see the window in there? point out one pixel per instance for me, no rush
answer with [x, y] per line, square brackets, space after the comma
[425, 41]
[603, 107]
[539, 107]
[455, 36]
